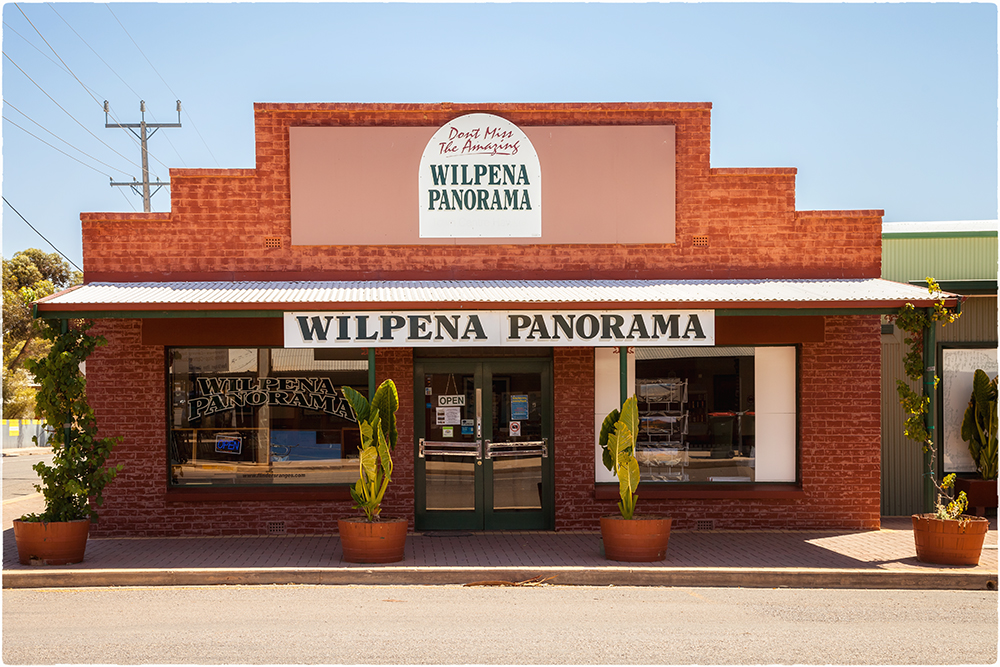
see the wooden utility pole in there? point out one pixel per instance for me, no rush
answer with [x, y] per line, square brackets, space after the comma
[143, 126]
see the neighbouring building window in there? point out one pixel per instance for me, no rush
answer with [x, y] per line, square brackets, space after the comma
[711, 414]
[959, 367]
[263, 417]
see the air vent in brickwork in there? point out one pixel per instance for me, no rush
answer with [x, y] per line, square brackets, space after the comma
[700, 242]
[272, 242]
[704, 524]
[275, 527]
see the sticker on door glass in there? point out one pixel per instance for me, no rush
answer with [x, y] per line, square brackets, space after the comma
[467, 426]
[519, 406]
[515, 429]
[449, 416]
[448, 432]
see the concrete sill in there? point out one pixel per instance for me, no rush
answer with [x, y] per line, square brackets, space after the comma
[718, 490]
[229, 494]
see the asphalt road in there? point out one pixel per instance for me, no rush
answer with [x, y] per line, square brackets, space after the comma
[18, 477]
[19, 495]
[457, 625]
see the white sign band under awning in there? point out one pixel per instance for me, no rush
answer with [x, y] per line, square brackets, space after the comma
[469, 328]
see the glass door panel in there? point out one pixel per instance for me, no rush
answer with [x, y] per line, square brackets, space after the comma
[518, 445]
[449, 453]
[484, 445]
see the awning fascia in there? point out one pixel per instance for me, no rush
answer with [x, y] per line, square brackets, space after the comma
[94, 311]
[775, 299]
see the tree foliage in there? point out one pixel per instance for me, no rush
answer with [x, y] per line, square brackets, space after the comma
[78, 473]
[27, 276]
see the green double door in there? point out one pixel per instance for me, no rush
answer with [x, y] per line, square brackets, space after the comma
[484, 444]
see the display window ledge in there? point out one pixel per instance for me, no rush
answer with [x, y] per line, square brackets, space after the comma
[721, 490]
[202, 494]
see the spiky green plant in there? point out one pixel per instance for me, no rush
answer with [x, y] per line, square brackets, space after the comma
[979, 428]
[377, 423]
[617, 439]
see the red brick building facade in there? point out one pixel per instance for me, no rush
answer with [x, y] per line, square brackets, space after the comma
[730, 226]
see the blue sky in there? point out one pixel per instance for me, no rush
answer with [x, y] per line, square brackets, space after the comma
[887, 106]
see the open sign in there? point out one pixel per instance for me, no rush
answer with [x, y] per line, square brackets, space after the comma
[228, 445]
[447, 401]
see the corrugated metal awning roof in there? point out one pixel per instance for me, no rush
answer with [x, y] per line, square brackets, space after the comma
[176, 298]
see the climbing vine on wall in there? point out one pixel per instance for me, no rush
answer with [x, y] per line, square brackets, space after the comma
[914, 322]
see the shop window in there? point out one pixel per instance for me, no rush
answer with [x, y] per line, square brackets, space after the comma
[696, 414]
[711, 414]
[263, 417]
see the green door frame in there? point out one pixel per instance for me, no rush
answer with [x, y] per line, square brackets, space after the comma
[484, 517]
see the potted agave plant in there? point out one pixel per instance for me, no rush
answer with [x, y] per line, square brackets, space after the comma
[372, 539]
[628, 537]
[73, 485]
[979, 430]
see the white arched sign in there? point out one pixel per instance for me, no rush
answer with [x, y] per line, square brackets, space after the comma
[480, 178]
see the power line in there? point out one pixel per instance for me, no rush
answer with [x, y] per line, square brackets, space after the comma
[56, 54]
[195, 125]
[42, 235]
[60, 150]
[91, 48]
[66, 66]
[67, 112]
[49, 58]
[94, 51]
[60, 139]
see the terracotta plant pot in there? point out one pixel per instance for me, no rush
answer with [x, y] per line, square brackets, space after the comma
[52, 543]
[982, 493]
[949, 541]
[377, 542]
[641, 539]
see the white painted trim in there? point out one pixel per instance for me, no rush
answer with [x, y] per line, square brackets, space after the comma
[774, 403]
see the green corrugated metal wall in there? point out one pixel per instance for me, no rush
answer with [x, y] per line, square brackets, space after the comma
[912, 257]
[902, 459]
[907, 257]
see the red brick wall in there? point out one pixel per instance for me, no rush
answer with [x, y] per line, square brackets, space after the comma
[219, 218]
[397, 365]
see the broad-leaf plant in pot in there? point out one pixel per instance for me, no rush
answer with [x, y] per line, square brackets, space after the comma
[979, 430]
[372, 539]
[73, 485]
[946, 536]
[628, 537]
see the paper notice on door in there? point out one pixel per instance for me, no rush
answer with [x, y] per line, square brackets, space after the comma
[448, 417]
[519, 406]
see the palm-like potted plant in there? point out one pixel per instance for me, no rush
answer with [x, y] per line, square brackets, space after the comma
[628, 537]
[946, 536]
[372, 539]
[979, 430]
[73, 485]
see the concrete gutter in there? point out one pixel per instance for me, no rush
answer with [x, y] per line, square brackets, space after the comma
[567, 576]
